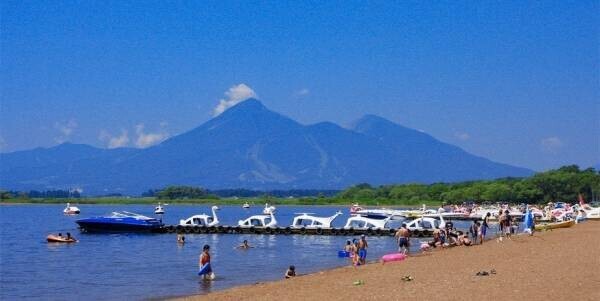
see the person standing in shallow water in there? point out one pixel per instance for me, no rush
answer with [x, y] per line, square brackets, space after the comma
[403, 237]
[362, 249]
[204, 260]
[484, 226]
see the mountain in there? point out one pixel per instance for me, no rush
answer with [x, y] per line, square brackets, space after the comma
[249, 146]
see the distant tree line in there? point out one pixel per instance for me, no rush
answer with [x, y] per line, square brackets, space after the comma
[242, 193]
[55, 194]
[563, 184]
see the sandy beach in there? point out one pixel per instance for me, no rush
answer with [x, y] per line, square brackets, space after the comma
[562, 264]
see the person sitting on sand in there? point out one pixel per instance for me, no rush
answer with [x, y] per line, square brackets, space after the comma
[403, 236]
[362, 249]
[244, 245]
[463, 239]
[291, 272]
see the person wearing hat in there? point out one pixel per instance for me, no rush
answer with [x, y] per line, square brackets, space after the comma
[362, 249]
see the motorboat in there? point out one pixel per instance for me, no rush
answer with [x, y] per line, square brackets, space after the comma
[261, 220]
[268, 209]
[71, 210]
[306, 220]
[159, 209]
[202, 219]
[426, 223]
[361, 222]
[120, 222]
[382, 213]
[246, 205]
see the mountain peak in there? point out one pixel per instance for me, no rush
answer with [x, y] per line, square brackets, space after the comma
[250, 104]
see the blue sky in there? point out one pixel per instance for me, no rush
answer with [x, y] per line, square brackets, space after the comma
[513, 81]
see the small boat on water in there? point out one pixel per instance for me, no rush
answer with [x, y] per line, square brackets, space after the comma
[263, 220]
[202, 219]
[159, 209]
[361, 222]
[120, 222]
[61, 239]
[306, 220]
[550, 226]
[71, 210]
[246, 205]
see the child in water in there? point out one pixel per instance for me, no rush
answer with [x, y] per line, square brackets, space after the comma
[291, 272]
[204, 260]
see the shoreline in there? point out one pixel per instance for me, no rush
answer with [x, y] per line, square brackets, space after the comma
[557, 264]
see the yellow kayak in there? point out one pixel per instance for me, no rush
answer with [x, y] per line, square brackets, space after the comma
[550, 226]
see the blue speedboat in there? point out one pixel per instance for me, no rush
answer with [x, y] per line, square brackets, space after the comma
[120, 222]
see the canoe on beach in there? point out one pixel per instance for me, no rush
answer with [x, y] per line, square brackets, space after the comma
[550, 226]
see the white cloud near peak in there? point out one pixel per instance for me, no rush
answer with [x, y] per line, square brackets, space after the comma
[233, 96]
[144, 139]
[551, 144]
[65, 129]
[114, 141]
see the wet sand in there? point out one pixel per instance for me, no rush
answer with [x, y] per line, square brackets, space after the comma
[562, 264]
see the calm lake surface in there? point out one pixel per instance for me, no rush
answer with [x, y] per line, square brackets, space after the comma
[154, 266]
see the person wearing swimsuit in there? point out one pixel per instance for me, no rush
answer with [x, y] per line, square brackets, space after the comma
[205, 259]
[484, 226]
[362, 249]
[403, 236]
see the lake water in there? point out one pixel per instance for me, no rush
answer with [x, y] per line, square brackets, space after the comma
[145, 266]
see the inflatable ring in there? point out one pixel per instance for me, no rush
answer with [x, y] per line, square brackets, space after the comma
[197, 229]
[350, 231]
[287, 231]
[212, 229]
[369, 231]
[378, 232]
[170, 229]
[303, 230]
[188, 229]
[420, 234]
[252, 230]
[334, 231]
[237, 229]
[227, 229]
[268, 230]
[342, 231]
[220, 229]
[319, 231]
[278, 230]
[179, 229]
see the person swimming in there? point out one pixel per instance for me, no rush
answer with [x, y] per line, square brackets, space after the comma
[244, 245]
[180, 239]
